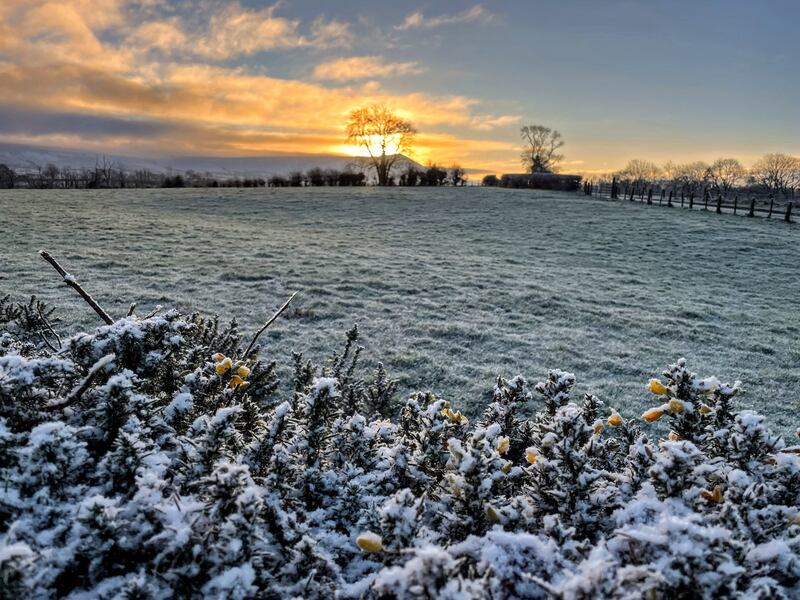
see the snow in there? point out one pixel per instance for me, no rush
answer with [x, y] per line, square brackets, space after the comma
[326, 385]
[277, 500]
[769, 551]
[235, 583]
[15, 551]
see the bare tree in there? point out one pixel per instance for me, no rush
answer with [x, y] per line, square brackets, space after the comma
[50, 176]
[640, 170]
[384, 136]
[725, 173]
[7, 177]
[691, 176]
[122, 176]
[778, 172]
[540, 146]
[457, 175]
[104, 172]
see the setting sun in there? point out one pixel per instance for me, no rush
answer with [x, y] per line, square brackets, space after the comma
[374, 149]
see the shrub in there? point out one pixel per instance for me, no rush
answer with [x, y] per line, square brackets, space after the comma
[150, 458]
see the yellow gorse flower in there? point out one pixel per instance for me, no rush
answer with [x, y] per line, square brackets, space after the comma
[676, 406]
[223, 366]
[598, 428]
[714, 496]
[673, 437]
[491, 514]
[503, 445]
[654, 414]
[531, 456]
[370, 542]
[243, 372]
[454, 416]
[615, 420]
[658, 388]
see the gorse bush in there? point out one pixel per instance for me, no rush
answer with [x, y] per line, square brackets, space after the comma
[151, 459]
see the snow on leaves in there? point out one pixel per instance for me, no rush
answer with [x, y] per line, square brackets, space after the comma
[166, 477]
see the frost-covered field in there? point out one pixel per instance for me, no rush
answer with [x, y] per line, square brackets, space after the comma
[449, 287]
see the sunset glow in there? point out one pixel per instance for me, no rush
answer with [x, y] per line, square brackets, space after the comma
[252, 78]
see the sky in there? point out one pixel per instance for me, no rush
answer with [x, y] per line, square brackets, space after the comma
[620, 79]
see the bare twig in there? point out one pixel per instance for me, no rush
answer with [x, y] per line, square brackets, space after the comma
[76, 393]
[152, 313]
[47, 342]
[71, 282]
[131, 309]
[267, 324]
[49, 328]
[554, 593]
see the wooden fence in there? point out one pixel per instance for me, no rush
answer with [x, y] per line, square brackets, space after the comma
[702, 199]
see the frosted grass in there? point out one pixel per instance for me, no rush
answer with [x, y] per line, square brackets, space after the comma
[450, 287]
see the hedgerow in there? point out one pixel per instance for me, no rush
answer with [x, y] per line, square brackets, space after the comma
[154, 458]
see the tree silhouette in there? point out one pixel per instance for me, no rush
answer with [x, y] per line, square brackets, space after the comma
[383, 134]
[539, 148]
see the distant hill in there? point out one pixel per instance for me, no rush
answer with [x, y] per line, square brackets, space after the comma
[22, 157]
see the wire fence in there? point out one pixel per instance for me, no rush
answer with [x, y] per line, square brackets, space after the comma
[731, 202]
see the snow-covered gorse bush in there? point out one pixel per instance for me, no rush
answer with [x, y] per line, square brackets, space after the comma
[151, 459]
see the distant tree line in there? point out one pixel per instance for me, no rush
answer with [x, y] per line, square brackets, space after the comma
[317, 177]
[433, 175]
[411, 176]
[108, 174]
[776, 174]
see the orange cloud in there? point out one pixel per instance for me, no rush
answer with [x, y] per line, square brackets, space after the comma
[111, 59]
[233, 30]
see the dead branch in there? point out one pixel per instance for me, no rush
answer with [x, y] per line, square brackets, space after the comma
[152, 313]
[267, 324]
[71, 282]
[131, 309]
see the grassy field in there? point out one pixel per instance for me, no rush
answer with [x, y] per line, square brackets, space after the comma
[450, 287]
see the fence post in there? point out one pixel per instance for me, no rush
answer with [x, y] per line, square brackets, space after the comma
[752, 212]
[650, 196]
[691, 200]
[669, 200]
[788, 216]
[705, 206]
[771, 203]
[613, 188]
[719, 204]
[735, 202]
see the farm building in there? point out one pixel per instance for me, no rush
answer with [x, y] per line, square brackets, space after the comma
[541, 181]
